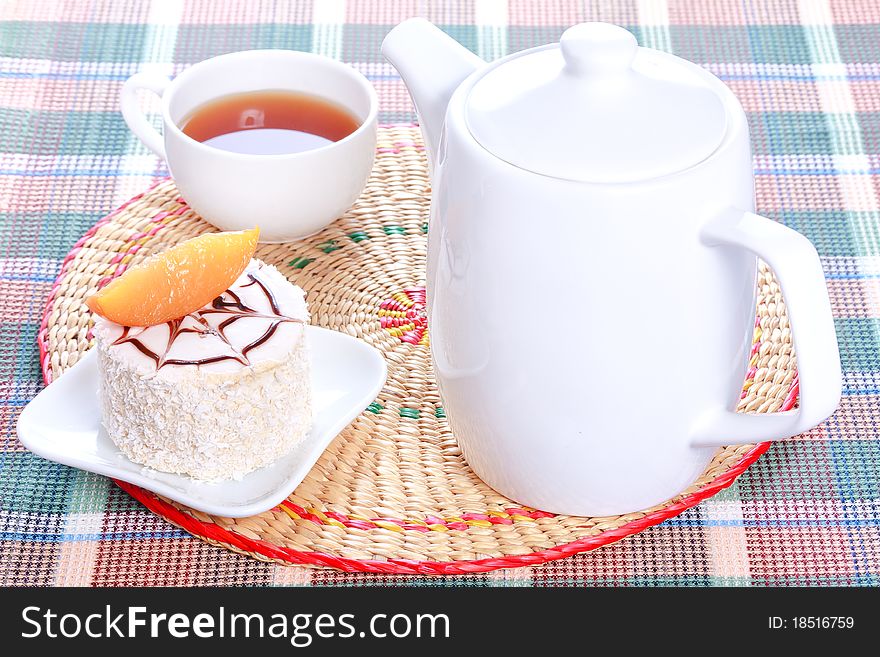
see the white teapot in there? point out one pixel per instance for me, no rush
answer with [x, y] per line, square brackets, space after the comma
[591, 267]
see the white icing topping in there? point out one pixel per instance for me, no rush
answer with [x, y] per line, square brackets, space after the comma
[241, 330]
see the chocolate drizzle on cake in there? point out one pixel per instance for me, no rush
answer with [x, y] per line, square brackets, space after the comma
[228, 303]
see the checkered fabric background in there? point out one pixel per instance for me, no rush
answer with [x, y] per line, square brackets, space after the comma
[808, 74]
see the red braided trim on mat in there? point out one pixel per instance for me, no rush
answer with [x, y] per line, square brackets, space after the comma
[208, 530]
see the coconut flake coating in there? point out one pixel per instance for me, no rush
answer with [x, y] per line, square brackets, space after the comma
[223, 419]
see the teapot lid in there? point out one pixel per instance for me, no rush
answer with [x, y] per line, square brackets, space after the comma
[597, 108]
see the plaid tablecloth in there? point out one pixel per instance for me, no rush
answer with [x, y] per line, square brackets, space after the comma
[808, 74]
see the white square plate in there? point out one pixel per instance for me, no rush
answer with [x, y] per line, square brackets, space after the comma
[63, 424]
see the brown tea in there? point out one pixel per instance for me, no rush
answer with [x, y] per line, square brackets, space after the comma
[270, 122]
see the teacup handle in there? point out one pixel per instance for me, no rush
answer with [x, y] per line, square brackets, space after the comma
[796, 264]
[132, 114]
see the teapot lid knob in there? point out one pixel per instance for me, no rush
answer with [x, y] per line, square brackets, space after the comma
[598, 48]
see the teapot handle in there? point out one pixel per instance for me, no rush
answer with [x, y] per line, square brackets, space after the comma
[796, 264]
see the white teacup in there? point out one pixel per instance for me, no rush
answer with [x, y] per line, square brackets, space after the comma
[289, 196]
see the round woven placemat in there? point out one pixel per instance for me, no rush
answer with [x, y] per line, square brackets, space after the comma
[392, 492]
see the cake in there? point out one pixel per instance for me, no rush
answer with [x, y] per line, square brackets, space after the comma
[214, 394]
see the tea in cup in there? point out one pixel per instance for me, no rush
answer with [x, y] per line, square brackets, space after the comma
[279, 138]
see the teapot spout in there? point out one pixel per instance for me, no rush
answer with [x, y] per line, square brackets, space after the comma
[432, 65]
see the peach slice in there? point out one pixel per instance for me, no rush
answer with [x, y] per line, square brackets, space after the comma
[178, 281]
